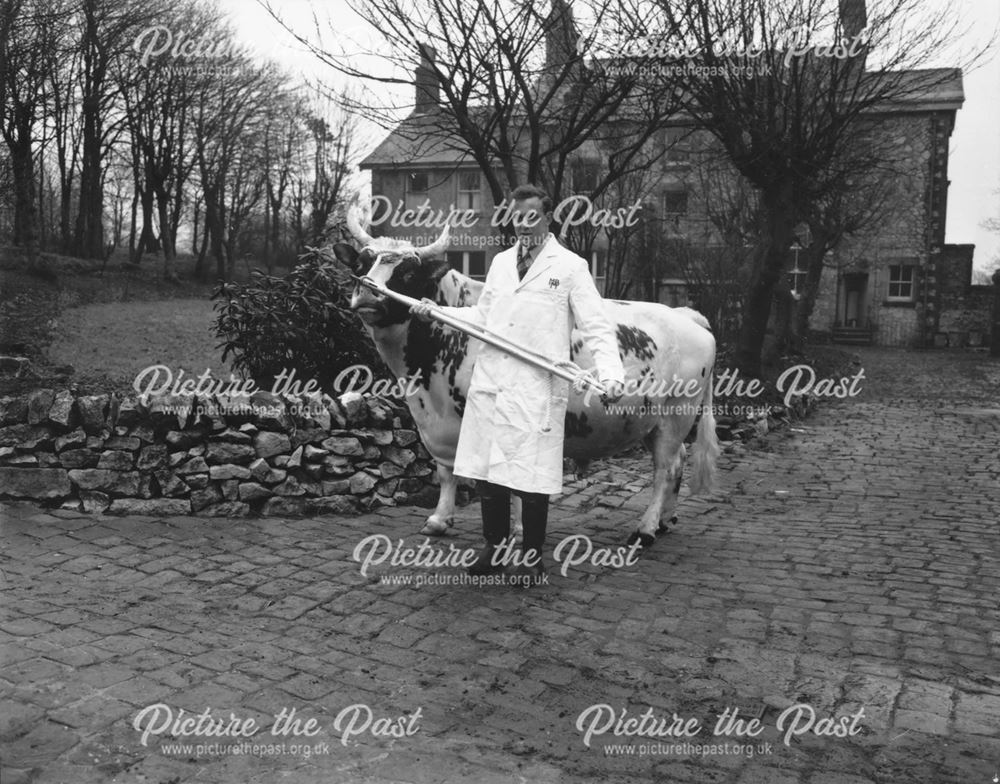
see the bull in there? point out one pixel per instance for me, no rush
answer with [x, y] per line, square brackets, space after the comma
[668, 355]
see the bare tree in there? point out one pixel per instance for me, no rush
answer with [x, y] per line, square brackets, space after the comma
[784, 114]
[507, 87]
[61, 71]
[27, 31]
[107, 32]
[229, 121]
[993, 225]
[335, 146]
[714, 260]
[283, 141]
[871, 193]
[158, 99]
[245, 189]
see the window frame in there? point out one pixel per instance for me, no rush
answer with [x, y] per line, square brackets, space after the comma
[409, 194]
[466, 263]
[674, 289]
[592, 166]
[665, 194]
[901, 281]
[477, 193]
[673, 142]
[599, 264]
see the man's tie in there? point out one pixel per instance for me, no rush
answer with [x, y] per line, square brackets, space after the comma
[523, 261]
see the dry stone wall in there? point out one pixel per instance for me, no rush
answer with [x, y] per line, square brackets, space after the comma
[214, 456]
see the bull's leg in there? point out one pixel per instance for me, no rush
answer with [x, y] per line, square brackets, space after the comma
[444, 514]
[670, 506]
[668, 468]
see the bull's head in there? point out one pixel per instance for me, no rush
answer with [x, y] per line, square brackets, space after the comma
[395, 264]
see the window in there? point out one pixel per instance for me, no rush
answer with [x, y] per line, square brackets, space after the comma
[416, 189]
[675, 204]
[468, 262]
[469, 191]
[673, 292]
[597, 270]
[674, 143]
[584, 175]
[476, 264]
[901, 282]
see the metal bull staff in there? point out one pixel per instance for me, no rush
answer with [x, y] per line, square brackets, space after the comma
[568, 371]
[512, 431]
[650, 341]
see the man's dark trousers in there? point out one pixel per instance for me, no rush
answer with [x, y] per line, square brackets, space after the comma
[496, 517]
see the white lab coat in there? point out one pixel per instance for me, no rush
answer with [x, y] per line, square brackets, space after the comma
[512, 428]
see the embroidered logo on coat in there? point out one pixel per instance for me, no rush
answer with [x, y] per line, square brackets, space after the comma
[553, 283]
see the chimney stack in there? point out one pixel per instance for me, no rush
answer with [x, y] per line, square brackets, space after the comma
[853, 23]
[428, 91]
[561, 37]
[853, 17]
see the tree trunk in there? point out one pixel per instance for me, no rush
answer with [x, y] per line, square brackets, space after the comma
[147, 239]
[166, 240]
[194, 235]
[25, 217]
[267, 231]
[66, 214]
[776, 237]
[90, 219]
[41, 203]
[132, 247]
[89, 240]
[214, 231]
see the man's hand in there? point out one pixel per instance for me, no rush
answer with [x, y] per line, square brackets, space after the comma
[422, 310]
[582, 381]
[615, 390]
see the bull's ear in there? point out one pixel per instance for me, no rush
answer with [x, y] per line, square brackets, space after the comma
[346, 255]
[437, 269]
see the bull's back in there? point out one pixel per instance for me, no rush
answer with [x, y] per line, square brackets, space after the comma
[662, 349]
[655, 342]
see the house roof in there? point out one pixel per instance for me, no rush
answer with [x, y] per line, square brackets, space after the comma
[419, 140]
[423, 139]
[925, 89]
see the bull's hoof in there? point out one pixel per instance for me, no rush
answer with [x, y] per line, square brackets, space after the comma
[645, 540]
[664, 527]
[436, 527]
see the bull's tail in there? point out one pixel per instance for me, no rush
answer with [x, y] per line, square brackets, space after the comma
[706, 446]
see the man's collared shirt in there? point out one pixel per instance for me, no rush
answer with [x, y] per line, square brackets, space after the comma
[526, 256]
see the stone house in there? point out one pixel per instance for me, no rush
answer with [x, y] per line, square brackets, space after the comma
[897, 284]
[420, 166]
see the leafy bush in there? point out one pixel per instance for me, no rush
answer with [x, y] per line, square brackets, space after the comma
[300, 321]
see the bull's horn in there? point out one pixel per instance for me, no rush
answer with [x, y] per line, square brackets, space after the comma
[440, 245]
[354, 227]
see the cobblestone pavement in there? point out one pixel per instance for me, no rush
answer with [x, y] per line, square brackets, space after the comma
[851, 562]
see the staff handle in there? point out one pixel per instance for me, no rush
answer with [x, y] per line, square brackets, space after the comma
[565, 369]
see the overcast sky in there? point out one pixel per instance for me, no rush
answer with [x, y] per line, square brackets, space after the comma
[974, 166]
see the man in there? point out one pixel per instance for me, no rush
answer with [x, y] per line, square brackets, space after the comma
[512, 429]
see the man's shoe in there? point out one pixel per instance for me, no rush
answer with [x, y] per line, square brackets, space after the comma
[484, 562]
